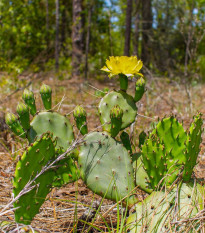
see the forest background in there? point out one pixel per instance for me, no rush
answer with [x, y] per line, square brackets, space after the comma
[78, 36]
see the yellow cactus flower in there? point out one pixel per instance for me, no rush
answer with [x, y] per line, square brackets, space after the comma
[128, 66]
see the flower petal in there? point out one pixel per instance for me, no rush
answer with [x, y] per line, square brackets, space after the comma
[128, 66]
[105, 69]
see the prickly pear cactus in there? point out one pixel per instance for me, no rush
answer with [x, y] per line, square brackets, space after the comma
[125, 139]
[42, 122]
[139, 89]
[46, 96]
[169, 149]
[29, 100]
[116, 114]
[192, 146]
[160, 209]
[141, 177]
[14, 124]
[55, 123]
[80, 118]
[66, 171]
[30, 164]
[106, 168]
[23, 112]
[154, 160]
[126, 103]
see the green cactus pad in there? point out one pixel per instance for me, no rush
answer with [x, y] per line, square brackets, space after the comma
[165, 143]
[46, 96]
[106, 167]
[66, 171]
[126, 103]
[14, 124]
[31, 162]
[160, 209]
[154, 161]
[141, 177]
[193, 146]
[172, 135]
[55, 123]
[125, 139]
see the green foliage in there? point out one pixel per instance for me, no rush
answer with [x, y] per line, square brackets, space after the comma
[24, 44]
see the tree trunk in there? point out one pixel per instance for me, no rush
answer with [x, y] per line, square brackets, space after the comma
[47, 24]
[87, 46]
[109, 33]
[146, 30]
[128, 28]
[136, 31]
[77, 50]
[57, 37]
[63, 26]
